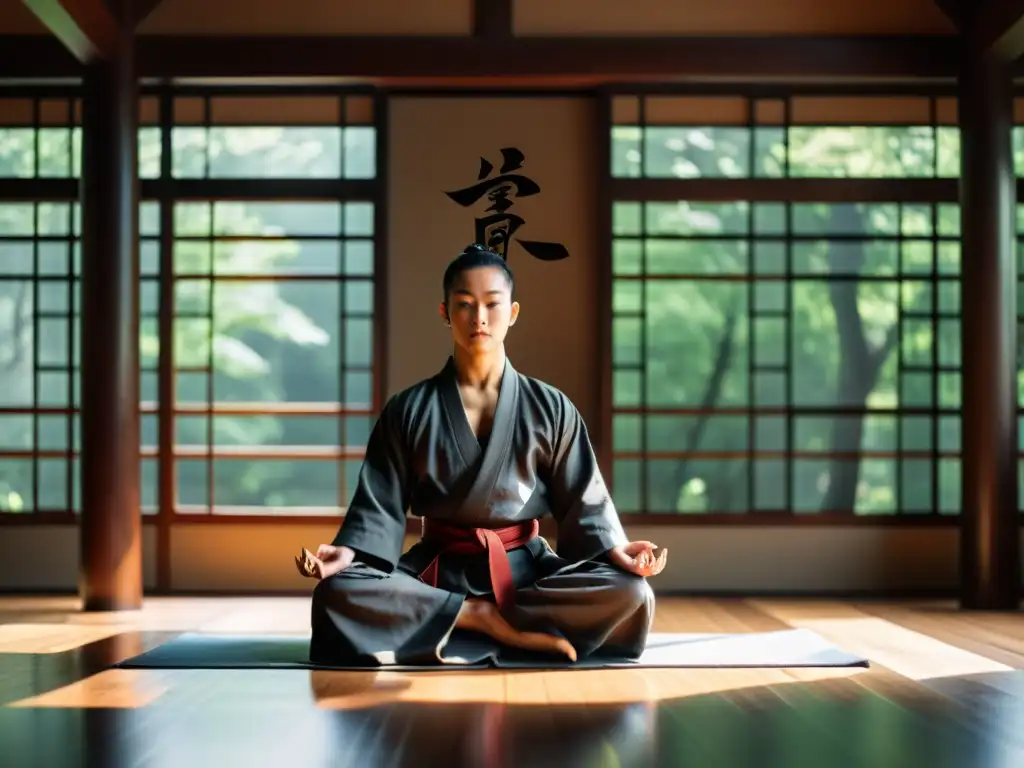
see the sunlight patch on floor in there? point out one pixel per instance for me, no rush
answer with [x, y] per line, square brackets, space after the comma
[359, 690]
[52, 638]
[911, 654]
[170, 614]
[112, 689]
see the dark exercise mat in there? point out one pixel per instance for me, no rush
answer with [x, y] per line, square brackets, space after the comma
[784, 648]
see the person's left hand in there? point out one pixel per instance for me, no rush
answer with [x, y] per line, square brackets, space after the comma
[638, 557]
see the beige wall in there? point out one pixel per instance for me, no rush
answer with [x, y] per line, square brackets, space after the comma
[45, 557]
[530, 17]
[435, 145]
[217, 558]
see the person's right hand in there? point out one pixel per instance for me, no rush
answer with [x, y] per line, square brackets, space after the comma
[328, 560]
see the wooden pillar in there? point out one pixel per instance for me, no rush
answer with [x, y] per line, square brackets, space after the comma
[111, 529]
[990, 522]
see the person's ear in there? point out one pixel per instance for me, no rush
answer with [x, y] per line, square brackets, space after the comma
[515, 313]
[443, 308]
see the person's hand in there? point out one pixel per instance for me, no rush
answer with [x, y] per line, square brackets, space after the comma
[638, 557]
[327, 561]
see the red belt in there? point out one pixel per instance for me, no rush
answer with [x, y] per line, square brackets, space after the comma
[458, 540]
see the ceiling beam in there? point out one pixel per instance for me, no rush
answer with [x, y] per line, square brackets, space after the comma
[989, 26]
[954, 10]
[998, 26]
[138, 11]
[560, 61]
[85, 27]
[585, 60]
[492, 19]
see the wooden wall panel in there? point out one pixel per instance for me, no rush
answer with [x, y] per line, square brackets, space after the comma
[729, 17]
[310, 17]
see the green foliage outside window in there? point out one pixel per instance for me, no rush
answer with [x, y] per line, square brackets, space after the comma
[274, 306]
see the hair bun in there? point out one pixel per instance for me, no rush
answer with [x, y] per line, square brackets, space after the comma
[476, 248]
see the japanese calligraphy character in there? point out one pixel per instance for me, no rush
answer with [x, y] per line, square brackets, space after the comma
[496, 230]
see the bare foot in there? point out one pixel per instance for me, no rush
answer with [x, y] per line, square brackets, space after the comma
[483, 616]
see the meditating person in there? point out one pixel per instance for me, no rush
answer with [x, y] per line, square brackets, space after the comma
[480, 452]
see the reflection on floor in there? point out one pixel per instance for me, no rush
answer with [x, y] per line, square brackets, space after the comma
[945, 689]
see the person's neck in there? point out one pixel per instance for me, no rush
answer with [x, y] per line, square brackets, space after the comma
[481, 371]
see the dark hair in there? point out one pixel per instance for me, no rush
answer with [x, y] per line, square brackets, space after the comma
[474, 257]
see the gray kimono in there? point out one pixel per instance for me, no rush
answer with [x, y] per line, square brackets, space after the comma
[423, 457]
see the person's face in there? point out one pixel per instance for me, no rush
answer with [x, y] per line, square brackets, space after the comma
[480, 309]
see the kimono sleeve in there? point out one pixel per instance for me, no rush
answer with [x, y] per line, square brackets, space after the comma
[374, 525]
[588, 523]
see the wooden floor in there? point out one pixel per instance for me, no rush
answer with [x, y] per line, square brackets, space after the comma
[945, 689]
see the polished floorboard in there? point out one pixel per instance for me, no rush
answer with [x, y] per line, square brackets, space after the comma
[946, 688]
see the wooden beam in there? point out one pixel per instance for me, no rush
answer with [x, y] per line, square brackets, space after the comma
[954, 10]
[492, 19]
[999, 27]
[796, 190]
[138, 11]
[36, 56]
[85, 27]
[110, 535]
[990, 521]
[995, 26]
[428, 59]
[533, 62]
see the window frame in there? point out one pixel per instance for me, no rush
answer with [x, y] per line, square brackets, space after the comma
[165, 190]
[786, 189]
